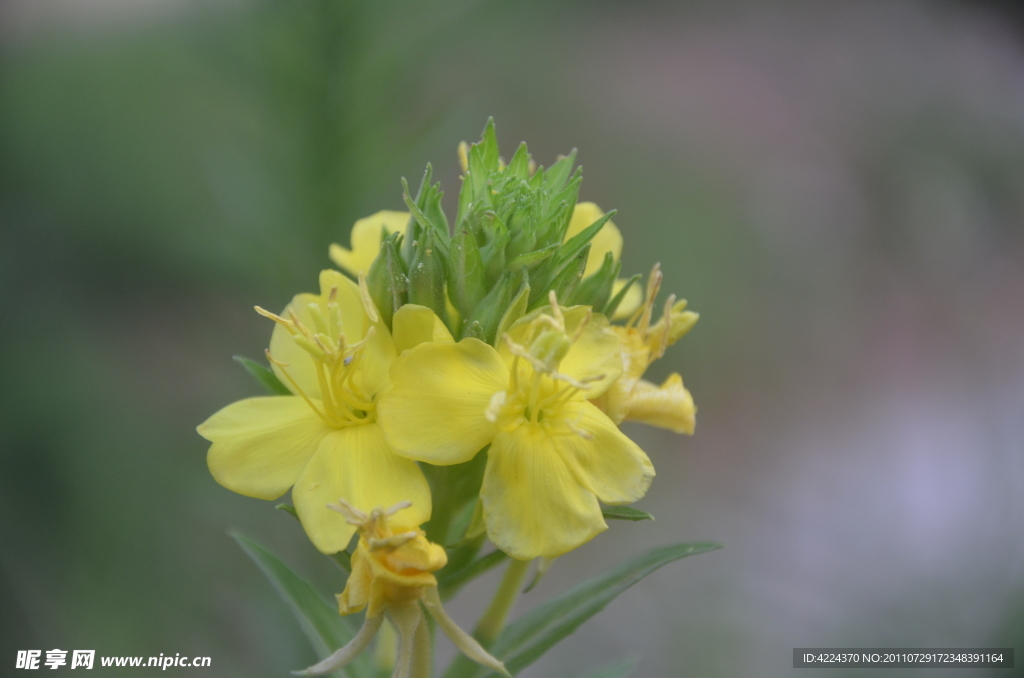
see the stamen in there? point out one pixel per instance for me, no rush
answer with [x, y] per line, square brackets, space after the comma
[392, 542]
[494, 408]
[666, 332]
[276, 318]
[352, 515]
[400, 506]
[368, 305]
[582, 326]
[296, 387]
[653, 287]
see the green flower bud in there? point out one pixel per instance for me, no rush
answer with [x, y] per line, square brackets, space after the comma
[386, 280]
[466, 275]
[427, 276]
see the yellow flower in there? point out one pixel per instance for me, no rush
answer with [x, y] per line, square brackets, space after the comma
[334, 354]
[632, 398]
[367, 234]
[552, 454]
[608, 239]
[392, 574]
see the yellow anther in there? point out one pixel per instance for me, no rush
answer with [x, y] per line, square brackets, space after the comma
[287, 324]
[393, 542]
[495, 407]
[318, 317]
[464, 156]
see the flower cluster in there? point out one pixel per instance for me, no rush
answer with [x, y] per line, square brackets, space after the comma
[504, 346]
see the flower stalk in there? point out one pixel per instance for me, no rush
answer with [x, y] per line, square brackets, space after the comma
[493, 620]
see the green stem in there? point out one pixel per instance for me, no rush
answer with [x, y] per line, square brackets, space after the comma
[493, 621]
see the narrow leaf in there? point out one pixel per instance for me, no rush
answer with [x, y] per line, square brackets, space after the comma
[267, 379]
[532, 258]
[625, 513]
[613, 305]
[533, 634]
[556, 175]
[516, 310]
[575, 244]
[325, 628]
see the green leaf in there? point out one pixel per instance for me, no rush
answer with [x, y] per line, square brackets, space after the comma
[575, 244]
[536, 632]
[264, 376]
[492, 308]
[613, 305]
[427, 213]
[558, 173]
[596, 289]
[565, 283]
[519, 165]
[532, 258]
[453, 488]
[325, 628]
[625, 513]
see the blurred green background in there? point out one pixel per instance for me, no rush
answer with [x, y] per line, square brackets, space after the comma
[838, 188]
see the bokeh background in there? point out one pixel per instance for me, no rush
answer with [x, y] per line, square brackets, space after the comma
[837, 187]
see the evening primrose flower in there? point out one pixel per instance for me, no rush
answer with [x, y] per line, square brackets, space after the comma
[392, 574]
[552, 453]
[334, 354]
[632, 398]
[367, 234]
[608, 239]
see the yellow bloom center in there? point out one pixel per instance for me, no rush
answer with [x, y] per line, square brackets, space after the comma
[537, 391]
[336, 361]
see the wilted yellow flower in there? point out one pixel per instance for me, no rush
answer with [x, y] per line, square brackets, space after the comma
[552, 453]
[608, 239]
[632, 398]
[367, 234]
[392, 573]
[334, 354]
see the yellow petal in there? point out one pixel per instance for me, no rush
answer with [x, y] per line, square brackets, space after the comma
[366, 237]
[299, 363]
[357, 589]
[533, 503]
[607, 462]
[355, 464]
[608, 239]
[418, 554]
[260, 445]
[595, 355]
[414, 324]
[630, 303]
[435, 410]
[668, 406]
[374, 373]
